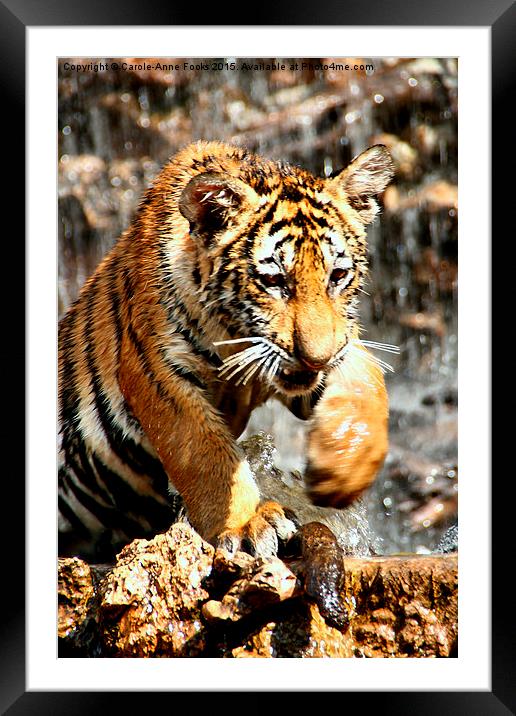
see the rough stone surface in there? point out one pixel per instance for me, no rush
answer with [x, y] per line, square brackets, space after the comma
[174, 596]
[300, 632]
[264, 582]
[151, 601]
[403, 606]
[75, 590]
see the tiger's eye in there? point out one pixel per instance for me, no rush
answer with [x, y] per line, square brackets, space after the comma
[273, 280]
[338, 274]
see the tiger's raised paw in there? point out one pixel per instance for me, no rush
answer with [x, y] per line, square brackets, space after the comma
[261, 536]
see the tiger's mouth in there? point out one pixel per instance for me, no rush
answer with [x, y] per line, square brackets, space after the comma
[298, 381]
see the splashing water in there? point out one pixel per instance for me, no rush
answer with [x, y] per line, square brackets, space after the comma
[350, 526]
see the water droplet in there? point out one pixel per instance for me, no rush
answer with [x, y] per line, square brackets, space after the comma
[328, 166]
[387, 501]
[378, 98]
[350, 117]
[413, 82]
[430, 480]
[67, 129]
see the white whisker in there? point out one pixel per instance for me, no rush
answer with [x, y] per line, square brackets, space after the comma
[240, 365]
[262, 359]
[265, 364]
[249, 373]
[256, 364]
[379, 362]
[348, 363]
[243, 357]
[387, 347]
[273, 369]
[255, 339]
[258, 339]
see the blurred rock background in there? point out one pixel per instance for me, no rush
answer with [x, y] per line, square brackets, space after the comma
[117, 127]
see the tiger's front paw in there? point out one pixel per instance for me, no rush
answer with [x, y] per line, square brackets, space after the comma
[344, 457]
[262, 534]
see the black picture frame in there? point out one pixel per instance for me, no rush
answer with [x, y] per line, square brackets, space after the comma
[15, 17]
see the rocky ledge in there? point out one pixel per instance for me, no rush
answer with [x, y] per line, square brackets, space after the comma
[175, 596]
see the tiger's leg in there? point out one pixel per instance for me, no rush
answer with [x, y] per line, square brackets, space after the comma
[201, 458]
[347, 442]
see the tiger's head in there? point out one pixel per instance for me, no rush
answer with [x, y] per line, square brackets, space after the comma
[280, 256]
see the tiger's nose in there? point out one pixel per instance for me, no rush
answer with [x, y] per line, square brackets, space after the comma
[313, 365]
[314, 333]
[313, 361]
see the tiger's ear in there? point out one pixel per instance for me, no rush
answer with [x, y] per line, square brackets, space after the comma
[367, 175]
[211, 200]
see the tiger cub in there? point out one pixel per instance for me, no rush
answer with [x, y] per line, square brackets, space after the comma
[236, 281]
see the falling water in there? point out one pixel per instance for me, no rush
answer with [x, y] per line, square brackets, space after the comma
[116, 129]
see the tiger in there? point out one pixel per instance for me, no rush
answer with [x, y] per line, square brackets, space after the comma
[236, 282]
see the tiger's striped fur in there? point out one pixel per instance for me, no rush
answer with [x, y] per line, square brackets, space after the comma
[236, 281]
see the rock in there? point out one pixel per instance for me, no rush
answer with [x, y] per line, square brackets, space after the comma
[403, 606]
[299, 633]
[174, 596]
[233, 564]
[75, 590]
[264, 582]
[152, 598]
